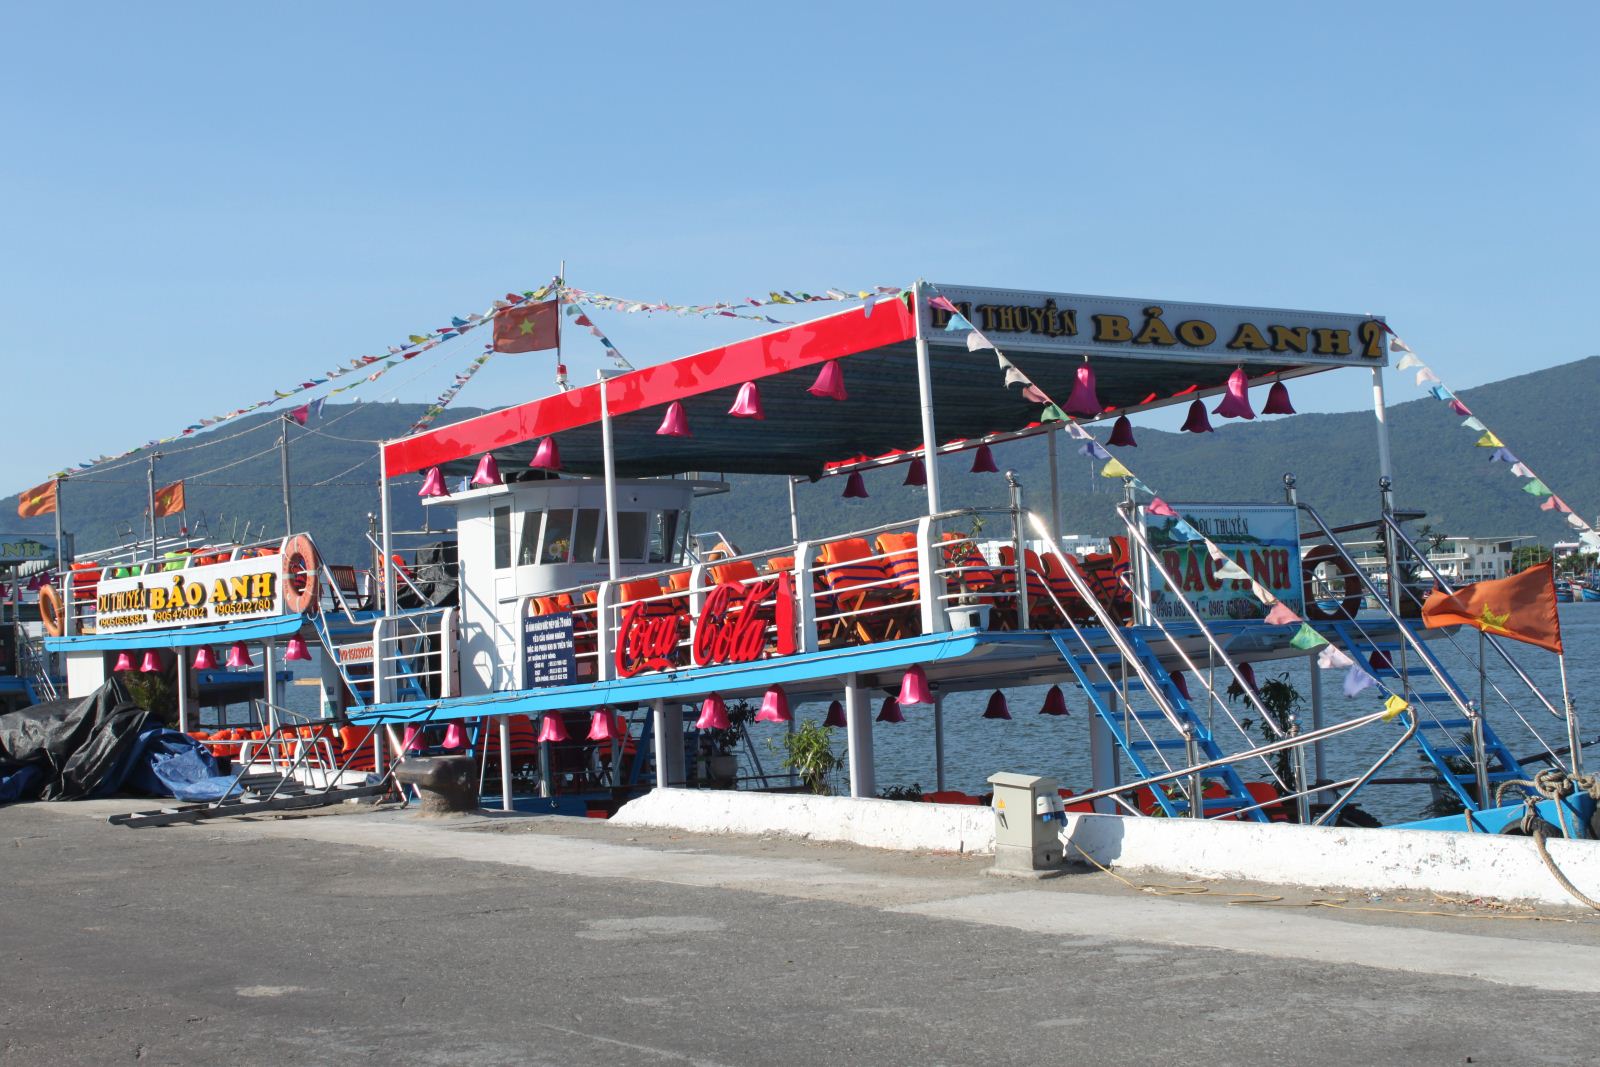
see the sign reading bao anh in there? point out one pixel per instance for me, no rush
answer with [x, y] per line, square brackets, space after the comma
[1260, 540]
[1072, 322]
[219, 592]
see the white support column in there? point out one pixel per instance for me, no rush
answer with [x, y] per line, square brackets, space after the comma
[387, 535]
[505, 762]
[1380, 412]
[794, 514]
[931, 584]
[183, 687]
[609, 457]
[1103, 761]
[668, 727]
[269, 677]
[804, 597]
[858, 737]
[930, 439]
[1319, 761]
[1055, 490]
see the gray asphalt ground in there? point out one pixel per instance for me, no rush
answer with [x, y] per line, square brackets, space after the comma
[384, 938]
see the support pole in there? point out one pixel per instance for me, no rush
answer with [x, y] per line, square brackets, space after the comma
[150, 488]
[669, 743]
[1573, 741]
[1318, 756]
[386, 564]
[938, 741]
[1055, 491]
[182, 679]
[283, 474]
[269, 679]
[858, 738]
[61, 543]
[505, 763]
[609, 455]
[930, 440]
[1103, 760]
[794, 515]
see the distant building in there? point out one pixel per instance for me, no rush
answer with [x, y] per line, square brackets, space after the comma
[1457, 559]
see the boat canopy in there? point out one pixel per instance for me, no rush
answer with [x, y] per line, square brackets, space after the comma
[1144, 355]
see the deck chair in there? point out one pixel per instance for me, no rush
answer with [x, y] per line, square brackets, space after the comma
[858, 583]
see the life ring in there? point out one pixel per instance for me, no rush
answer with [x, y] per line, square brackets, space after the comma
[300, 591]
[1349, 603]
[50, 611]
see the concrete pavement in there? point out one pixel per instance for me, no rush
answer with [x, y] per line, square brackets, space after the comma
[380, 938]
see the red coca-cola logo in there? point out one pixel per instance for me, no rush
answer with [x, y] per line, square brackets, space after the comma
[732, 628]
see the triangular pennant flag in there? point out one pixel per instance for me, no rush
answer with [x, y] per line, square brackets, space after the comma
[1282, 615]
[1332, 657]
[1015, 377]
[976, 341]
[1408, 361]
[1395, 342]
[1307, 638]
[1161, 507]
[1051, 413]
[1441, 393]
[1472, 423]
[1502, 455]
[1521, 470]
[1356, 679]
[1033, 394]
[1536, 488]
[1576, 523]
[1230, 569]
[1458, 407]
[1426, 375]
[1115, 469]
[1094, 450]
[1489, 440]
[1393, 707]
[1555, 503]
[957, 322]
[1182, 531]
[943, 304]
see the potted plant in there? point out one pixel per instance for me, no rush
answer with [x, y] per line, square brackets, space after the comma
[969, 611]
[719, 757]
[808, 752]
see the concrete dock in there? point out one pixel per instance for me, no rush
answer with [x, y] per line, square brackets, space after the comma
[366, 937]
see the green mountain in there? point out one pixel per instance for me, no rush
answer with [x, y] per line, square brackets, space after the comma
[233, 474]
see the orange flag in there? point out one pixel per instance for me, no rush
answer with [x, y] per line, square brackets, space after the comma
[528, 327]
[1522, 607]
[169, 500]
[40, 500]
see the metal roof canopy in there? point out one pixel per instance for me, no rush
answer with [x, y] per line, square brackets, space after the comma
[1187, 353]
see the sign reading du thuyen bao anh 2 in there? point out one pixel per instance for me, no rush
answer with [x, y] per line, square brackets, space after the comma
[1262, 539]
[220, 592]
[1071, 322]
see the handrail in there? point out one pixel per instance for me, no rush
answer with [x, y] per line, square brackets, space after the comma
[1492, 640]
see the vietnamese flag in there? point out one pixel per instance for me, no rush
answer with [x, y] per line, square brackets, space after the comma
[40, 500]
[531, 327]
[169, 500]
[1522, 607]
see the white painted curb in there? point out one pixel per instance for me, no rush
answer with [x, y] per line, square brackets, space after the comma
[1448, 863]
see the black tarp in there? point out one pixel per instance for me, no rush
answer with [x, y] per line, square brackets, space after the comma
[79, 748]
[434, 575]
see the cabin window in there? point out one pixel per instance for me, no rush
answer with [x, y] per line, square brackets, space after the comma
[528, 550]
[502, 538]
[633, 527]
[557, 537]
[664, 545]
[586, 536]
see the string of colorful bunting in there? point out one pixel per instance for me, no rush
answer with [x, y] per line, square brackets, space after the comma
[1085, 404]
[443, 400]
[731, 309]
[1533, 485]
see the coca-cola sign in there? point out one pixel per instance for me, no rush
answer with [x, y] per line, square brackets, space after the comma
[731, 628]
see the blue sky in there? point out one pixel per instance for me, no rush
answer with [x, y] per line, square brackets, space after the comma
[200, 202]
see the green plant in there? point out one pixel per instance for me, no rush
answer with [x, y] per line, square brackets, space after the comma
[724, 742]
[154, 692]
[902, 792]
[1279, 696]
[809, 753]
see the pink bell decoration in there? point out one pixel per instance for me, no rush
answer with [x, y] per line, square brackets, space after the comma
[454, 737]
[547, 456]
[983, 461]
[1083, 400]
[830, 383]
[1197, 422]
[1122, 434]
[890, 711]
[239, 656]
[1180, 683]
[552, 728]
[914, 688]
[1248, 673]
[1278, 401]
[713, 714]
[602, 727]
[1236, 401]
[835, 716]
[774, 706]
[488, 472]
[1055, 702]
[205, 659]
[433, 484]
[296, 649]
[675, 424]
[748, 405]
[997, 708]
[124, 662]
[151, 664]
[916, 473]
[406, 742]
[855, 487]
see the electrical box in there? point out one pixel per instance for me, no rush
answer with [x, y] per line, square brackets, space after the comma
[1028, 819]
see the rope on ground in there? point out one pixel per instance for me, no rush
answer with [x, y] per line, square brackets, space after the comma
[1551, 784]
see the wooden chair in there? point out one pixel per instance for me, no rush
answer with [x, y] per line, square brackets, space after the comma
[857, 583]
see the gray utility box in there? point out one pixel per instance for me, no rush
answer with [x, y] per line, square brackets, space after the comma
[1027, 824]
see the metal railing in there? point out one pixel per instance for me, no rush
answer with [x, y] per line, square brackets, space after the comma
[416, 654]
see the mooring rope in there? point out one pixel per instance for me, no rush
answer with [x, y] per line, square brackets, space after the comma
[1552, 784]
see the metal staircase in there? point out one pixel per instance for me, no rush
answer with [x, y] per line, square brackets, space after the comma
[1137, 732]
[1401, 661]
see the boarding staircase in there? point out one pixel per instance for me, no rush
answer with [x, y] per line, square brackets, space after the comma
[1427, 685]
[1142, 734]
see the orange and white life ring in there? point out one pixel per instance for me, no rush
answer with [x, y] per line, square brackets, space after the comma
[50, 611]
[300, 574]
[1349, 603]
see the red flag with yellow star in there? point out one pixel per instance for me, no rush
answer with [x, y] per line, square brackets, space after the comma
[1521, 607]
[169, 500]
[530, 327]
[40, 500]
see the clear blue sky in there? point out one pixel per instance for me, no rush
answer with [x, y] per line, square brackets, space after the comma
[202, 202]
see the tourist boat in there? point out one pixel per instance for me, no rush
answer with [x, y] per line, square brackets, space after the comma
[584, 620]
